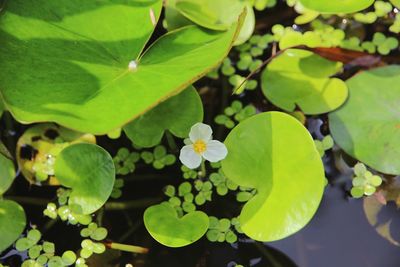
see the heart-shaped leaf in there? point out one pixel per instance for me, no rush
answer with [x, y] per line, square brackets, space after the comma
[7, 173]
[176, 115]
[89, 170]
[163, 224]
[12, 223]
[368, 126]
[80, 64]
[300, 77]
[338, 6]
[273, 153]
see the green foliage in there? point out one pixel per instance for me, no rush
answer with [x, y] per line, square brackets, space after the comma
[64, 212]
[117, 189]
[223, 230]
[372, 137]
[94, 232]
[334, 7]
[125, 161]
[175, 115]
[158, 158]
[302, 78]
[12, 222]
[235, 113]
[291, 169]
[89, 171]
[364, 182]
[384, 44]
[116, 74]
[174, 231]
[325, 144]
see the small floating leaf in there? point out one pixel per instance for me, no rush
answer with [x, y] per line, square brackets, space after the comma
[163, 224]
[89, 171]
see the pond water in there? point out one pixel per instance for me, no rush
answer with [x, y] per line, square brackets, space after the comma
[340, 235]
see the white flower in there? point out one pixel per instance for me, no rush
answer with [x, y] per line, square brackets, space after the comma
[199, 145]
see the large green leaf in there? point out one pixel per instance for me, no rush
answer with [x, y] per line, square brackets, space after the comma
[163, 224]
[89, 170]
[12, 223]
[273, 153]
[300, 77]
[368, 126]
[7, 173]
[337, 6]
[71, 62]
[177, 115]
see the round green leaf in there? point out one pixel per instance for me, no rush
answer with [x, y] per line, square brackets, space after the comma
[12, 222]
[367, 127]
[163, 224]
[300, 77]
[338, 6]
[273, 153]
[89, 171]
[58, 66]
[177, 115]
[7, 173]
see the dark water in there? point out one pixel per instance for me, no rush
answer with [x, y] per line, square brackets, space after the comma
[340, 236]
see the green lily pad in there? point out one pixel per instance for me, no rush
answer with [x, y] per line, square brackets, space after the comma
[163, 224]
[89, 170]
[302, 78]
[273, 153]
[12, 223]
[177, 115]
[58, 66]
[7, 173]
[338, 6]
[367, 127]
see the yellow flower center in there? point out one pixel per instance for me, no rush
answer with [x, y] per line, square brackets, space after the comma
[199, 146]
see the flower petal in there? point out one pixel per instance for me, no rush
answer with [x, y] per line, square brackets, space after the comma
[215, 151]
[189, 158]
[200, 131]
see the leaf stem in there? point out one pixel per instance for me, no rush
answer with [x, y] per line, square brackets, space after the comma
[113, 205]
[203, 171]
[127, 248]
[171, 141]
